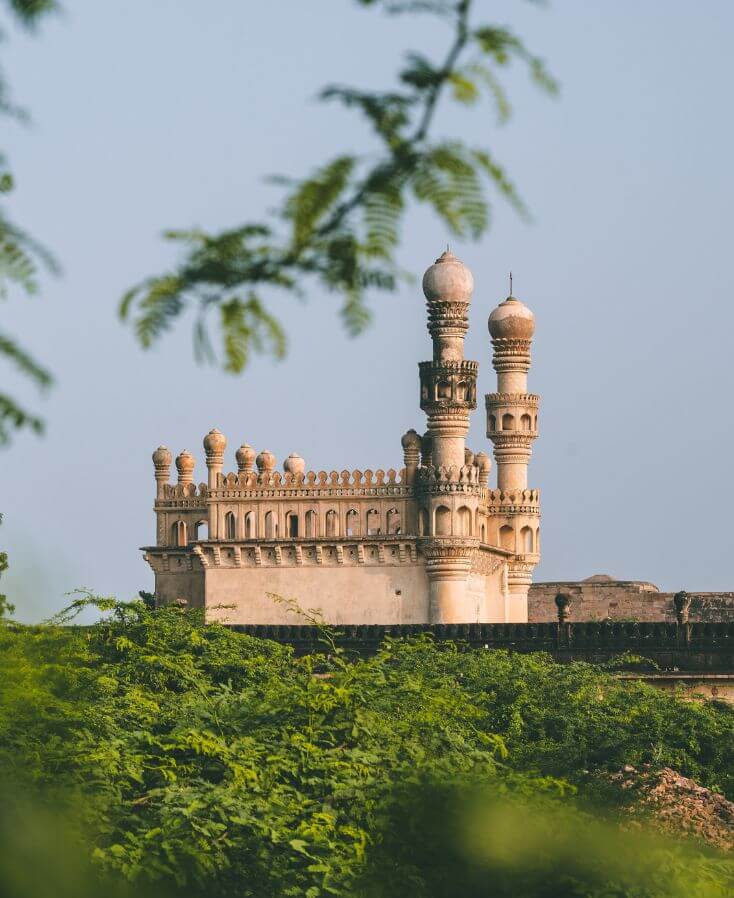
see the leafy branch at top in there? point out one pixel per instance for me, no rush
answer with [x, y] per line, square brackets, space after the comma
[339, 228]
[21, 257]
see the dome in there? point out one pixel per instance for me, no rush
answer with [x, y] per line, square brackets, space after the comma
[245, 456]
[511, 320]
[410, 440]
[482, 461]
[265, 461]
[162, 457]
[185, 462]
[448, 280]
[468, 457]
[215, 442]
[294, 464]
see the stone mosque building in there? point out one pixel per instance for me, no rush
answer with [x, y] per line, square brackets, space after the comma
[431, 542]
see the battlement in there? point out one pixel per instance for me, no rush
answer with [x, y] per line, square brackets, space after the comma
[368, 482]
[513, 501]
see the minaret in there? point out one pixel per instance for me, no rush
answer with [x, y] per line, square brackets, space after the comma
[448, 489]
[512, 425]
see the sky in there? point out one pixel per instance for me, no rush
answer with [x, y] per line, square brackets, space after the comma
[170, 114]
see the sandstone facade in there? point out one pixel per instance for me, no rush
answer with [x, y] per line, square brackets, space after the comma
[429, 543]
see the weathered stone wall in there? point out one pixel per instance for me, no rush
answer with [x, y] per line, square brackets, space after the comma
[600, 598]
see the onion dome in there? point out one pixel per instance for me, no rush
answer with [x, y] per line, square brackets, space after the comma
[162, 457]
[185, 462]
[511, 320]
[215, 442]
[294, 464]
[448, 280]
[411, 440]
[468, 457]
[265, 461]
[245, 456]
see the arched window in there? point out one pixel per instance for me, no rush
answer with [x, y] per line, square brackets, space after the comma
[537, 539]
[526, 423]
[250, 525]
[373, 522]
[352, 522]
[178, 533]
[443, 389]
[311, 525]
[492, 423]
[464, 519]
[508, 422]
[461, 390]
[536, 422]
[271, 526]
[393, 521]
[423, 528]
[443, 521]
[230, 526]
[483, 533]
[201, 531]
[331, 523]
[291, 524]
[526, 540]
[507, 538]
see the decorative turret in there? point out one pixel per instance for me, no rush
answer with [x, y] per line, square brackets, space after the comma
[185, 463]
[411, 444]
[265, 462]
[162, 464]
[245, 457]
[294, 464]
[214, 445]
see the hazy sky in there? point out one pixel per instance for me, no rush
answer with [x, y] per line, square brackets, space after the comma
[168, 113]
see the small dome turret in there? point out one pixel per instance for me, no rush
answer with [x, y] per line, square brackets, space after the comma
[185, 463]
[294, 464]
[245, 457]
[265, 462]
[215, 442]
[162, 457]
[448, 280]
[411, 440]
[512, 320]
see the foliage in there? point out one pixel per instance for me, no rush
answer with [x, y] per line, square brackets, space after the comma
[199, 758]
[340, 226]
[21, 257]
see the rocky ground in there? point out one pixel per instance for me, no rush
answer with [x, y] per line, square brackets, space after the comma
[679, 806]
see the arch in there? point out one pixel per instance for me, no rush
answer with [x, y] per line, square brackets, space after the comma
[352, 528]
[526, 423]
[201, 530]
[332, 523]
[462, 391]
[492, 423]
[537, 540]
[230, 526]
[271, 526]
[536, 423]
[393, 521]
[250, 530]
[507, 537]
[312, 525]
[178, 533]
[424, 392]
[483, 533]
[423, 528]
[526, 540]
[463, 517]
[442, 521]
[443, 389]
[291, 524]
[508, 421]
[373, 522]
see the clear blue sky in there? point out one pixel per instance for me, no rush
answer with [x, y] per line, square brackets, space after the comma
[168, 114]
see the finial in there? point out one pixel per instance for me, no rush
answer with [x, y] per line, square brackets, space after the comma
[510, 283]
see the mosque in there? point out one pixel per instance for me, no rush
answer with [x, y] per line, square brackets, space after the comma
[429, 543]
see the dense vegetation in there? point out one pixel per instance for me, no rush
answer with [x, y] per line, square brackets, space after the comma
[183, 756]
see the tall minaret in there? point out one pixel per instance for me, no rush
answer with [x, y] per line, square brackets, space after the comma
[448, 489]
[512, 425]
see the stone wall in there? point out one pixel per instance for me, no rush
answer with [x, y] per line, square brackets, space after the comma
[603, 598]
